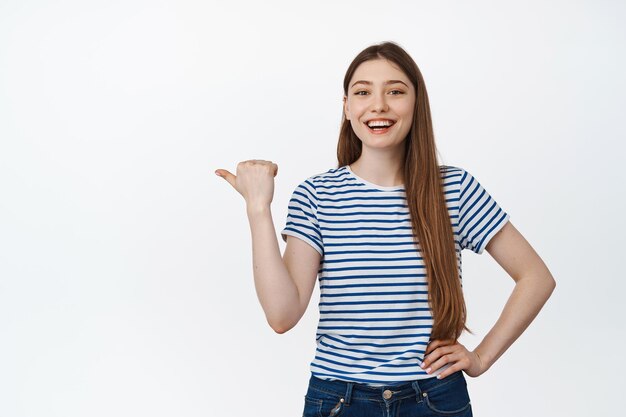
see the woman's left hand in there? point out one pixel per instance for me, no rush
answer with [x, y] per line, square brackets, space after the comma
[442, 352]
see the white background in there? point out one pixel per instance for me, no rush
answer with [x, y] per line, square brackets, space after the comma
[125, 264]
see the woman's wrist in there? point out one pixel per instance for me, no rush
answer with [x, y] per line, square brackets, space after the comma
[484, 358]
[255, 209]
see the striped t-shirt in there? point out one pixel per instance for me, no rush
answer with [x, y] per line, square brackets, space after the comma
[375, 321]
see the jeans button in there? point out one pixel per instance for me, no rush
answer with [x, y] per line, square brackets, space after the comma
[387, 394]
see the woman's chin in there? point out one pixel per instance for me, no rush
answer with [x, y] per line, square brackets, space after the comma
[381, 143]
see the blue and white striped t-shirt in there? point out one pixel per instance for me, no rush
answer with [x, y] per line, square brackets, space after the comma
[375, 321]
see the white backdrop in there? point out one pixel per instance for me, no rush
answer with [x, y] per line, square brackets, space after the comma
[125, 264]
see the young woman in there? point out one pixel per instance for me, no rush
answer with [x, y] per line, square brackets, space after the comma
[384, 233]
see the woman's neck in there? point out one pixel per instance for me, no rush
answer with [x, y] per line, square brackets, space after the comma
[384, 170]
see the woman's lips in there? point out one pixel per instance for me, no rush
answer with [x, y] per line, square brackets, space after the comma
[379, 131]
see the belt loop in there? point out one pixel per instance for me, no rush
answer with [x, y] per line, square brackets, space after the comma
[348, 393]
[418, 391]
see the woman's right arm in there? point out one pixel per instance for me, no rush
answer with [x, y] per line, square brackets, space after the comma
[283, 284]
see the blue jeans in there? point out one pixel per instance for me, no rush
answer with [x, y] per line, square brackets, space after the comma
[420, 398]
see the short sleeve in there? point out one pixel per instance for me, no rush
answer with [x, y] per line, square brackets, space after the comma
[480, 216]
[302, 216]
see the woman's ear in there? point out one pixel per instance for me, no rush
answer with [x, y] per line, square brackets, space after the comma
[345, 107]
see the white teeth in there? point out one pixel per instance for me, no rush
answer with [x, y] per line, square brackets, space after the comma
[382, 123]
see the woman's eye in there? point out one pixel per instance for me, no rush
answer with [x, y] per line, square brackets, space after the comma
[392, 92]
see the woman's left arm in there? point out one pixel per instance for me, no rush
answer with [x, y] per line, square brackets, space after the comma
[533, 286]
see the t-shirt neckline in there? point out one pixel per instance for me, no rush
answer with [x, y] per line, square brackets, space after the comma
[371, 184]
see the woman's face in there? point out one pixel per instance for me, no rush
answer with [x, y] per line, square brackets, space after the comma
[380, 104]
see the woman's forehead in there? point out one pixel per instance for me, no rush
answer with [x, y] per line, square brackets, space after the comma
[378, 71]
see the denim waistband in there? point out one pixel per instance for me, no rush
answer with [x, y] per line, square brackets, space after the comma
[386, 393]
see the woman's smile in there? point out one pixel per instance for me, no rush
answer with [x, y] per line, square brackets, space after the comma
[380, 126]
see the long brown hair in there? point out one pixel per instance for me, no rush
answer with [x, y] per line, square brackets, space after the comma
[424, 193]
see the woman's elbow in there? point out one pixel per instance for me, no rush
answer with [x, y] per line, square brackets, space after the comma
[278, 327]
[282, 326]
[550, 284]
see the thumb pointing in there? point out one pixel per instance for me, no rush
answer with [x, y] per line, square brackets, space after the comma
[227, 176]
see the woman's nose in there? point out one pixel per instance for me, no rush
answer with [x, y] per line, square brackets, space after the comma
[379, 103]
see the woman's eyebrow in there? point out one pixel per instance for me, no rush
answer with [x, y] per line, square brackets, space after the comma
[385, 83]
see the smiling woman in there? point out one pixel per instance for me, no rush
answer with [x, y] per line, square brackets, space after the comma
[374, 95]
[383, 234]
